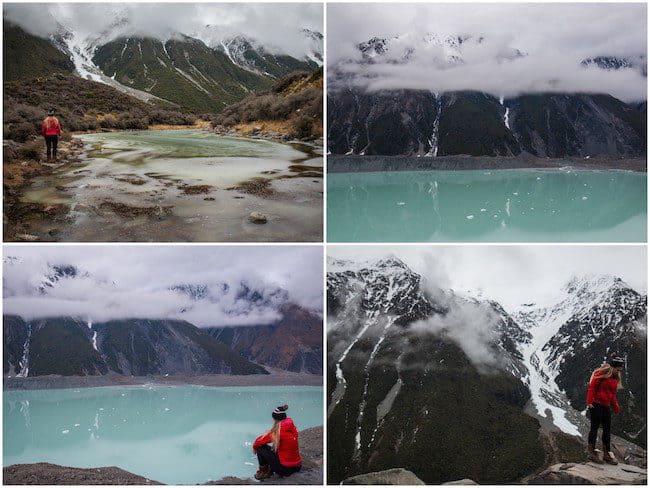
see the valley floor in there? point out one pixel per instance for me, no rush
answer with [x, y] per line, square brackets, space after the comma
[276, 378]
[361, 164]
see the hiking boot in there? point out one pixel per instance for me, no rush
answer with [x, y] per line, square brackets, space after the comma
[263, 472]
[609, 458]
[593, 454]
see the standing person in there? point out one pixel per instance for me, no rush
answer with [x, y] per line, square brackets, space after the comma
[283, 455]
[601, 398]
[51, 130]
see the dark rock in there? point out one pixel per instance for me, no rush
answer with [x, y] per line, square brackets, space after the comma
[53, 474]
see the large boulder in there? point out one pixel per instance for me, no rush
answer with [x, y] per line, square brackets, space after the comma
[589, 474]
[395, 476]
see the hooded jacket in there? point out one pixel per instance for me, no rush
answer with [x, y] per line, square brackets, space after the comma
[288, 452]
[603, 391]
[51, 127]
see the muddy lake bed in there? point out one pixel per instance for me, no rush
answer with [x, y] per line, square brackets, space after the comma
[179, 185]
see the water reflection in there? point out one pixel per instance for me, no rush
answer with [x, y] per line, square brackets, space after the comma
[170, 434]
[503, 205]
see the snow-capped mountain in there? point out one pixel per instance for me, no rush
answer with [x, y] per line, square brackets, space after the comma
[241, 323]
[250, 54]
[593, 318]
[399, 348]
[430, 123]
[442, 50]
[202, 70]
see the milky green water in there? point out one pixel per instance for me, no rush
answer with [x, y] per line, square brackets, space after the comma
[144, 174]
[487, 206]
[178, 434]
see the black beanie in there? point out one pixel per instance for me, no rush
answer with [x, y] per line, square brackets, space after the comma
[280, 413]
[616, 362]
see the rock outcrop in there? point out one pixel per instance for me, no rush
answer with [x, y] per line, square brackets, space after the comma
[589, 474]
[311, 450]
[311, 447]
[53, 474]
[395, 476]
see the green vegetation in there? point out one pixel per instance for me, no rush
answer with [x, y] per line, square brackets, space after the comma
[14, 334]
[62, 346]
[449, 421]
[183, 71]
[297, 98]
[470, 124]
[80, 105]
[28, 56]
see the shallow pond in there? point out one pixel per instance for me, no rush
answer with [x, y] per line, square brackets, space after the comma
[181, 186]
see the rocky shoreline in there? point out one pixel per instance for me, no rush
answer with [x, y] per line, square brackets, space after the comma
[364, 164]
[276, 378]
[311, 447]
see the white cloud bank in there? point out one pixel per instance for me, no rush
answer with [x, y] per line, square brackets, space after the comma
[555, 37]
[276, 25]
[136, 281]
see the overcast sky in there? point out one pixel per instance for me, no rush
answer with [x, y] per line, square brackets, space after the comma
[556, 37]
[275, 24]
[512, 275]
[134, 281]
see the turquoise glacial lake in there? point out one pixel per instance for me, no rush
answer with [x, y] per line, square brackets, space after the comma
[510, 205]
[176, 435]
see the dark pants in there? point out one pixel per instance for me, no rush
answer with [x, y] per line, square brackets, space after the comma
[266, 456]
[601, 416]
[51, 142]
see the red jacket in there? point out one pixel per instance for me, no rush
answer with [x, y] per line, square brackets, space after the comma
[603, 392]
[287, 452]
[51, 127]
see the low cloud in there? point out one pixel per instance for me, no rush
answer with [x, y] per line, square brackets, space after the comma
[137, 282]
[470, 325]
[555, 39]
[277, 26]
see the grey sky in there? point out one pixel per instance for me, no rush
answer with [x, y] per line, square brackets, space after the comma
[556, 37]
[277, 25]
[512, 275]
[134, 281]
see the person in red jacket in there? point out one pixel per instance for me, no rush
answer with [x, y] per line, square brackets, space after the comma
[601, 397]
[282, 456]
[51, 130]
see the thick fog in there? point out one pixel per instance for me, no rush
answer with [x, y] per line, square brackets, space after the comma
[277, 26]
[555, 38]
[136, 282]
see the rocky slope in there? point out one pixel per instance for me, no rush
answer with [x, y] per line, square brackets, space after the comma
[294, 343]
[409, 362]
[596, 316]
[198, 74]
[69, 346]
[398, 377]
[427, 123]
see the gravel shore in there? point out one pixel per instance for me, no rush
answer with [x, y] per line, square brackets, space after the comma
[276, 378]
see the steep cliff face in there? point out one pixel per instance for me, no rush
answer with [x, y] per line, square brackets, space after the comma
[417, 122]
[68, 346]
